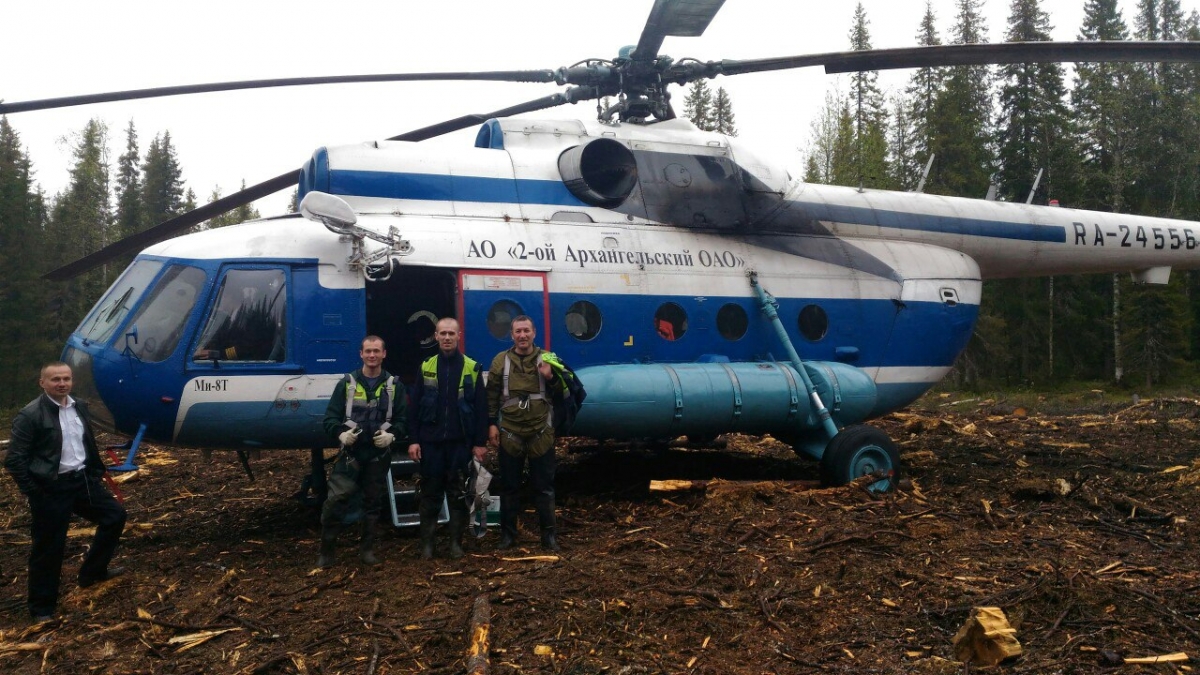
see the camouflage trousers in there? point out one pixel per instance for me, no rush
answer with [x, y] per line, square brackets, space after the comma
[355, 490]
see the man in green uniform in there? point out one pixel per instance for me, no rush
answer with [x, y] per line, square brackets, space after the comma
[521, 387]
[367, 416]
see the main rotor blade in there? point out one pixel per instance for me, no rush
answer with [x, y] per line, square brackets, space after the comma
[682, 18]
[168, 228]
[158, 92]
[973, 54]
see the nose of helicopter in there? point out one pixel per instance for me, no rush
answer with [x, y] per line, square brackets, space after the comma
[85, 387]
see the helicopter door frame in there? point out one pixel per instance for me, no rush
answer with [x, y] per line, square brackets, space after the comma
[482, 289]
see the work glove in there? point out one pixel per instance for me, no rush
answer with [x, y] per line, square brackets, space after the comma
[349, 437]
[383, 438]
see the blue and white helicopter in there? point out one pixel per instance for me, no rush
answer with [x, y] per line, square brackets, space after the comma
[695, 288]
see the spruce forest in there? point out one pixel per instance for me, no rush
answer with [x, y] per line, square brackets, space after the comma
[1109, 137]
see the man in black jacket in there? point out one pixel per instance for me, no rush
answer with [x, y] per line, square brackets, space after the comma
[448, 426]
[55, 462]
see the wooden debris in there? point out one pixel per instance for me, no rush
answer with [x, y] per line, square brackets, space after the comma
[986, 638]
[685, 485]
[1176, 657]
[22, 647]
[533, 558]
[1036, 489]
[481, 629]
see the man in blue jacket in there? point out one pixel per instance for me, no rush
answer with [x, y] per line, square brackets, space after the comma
[54, 459]
[448, 424]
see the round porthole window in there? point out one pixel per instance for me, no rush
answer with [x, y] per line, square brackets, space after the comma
[583, 320]
[500, 316]
[670, 321]
[732, 321]
[813, 322]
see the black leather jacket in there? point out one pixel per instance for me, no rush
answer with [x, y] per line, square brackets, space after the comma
[35, 450]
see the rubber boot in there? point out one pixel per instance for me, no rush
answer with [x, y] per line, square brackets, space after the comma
[508, 521]
[458, 526]
[329, 535]
[545, 512]
[429, 518]
[366, 546]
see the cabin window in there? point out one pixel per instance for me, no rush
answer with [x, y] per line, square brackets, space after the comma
[583, 320]
[159, 322]
[500, 316]
[813, 322]
[670, 321]
[248, 320]
[732, 321]
[116, 303]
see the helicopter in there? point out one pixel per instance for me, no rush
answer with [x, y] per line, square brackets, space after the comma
[694, 286]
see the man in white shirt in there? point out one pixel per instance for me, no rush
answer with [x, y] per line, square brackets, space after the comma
[54, 459]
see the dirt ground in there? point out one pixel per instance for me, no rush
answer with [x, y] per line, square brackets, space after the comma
[1082, 528]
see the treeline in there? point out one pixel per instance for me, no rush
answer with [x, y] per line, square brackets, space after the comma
[1110, 137]
[39, 233]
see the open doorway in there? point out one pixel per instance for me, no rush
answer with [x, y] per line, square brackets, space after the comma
[404, 309]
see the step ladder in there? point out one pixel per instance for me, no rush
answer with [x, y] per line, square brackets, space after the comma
[404, 497]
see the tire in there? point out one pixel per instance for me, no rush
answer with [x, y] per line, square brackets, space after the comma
[859, 450]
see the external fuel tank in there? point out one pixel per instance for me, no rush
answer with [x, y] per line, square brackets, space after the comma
[665, 400]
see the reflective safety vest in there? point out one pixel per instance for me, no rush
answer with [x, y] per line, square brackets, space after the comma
[361, 412]
[468, 379]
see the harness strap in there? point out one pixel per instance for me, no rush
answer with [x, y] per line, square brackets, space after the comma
[391, 392]
[541, 381]
[523, 401]
[350, 389]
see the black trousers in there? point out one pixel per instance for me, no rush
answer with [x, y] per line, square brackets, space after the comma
[541, 477]
[444, 467]
[52, 508]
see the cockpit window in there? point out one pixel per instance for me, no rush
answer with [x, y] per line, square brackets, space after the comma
[247, 322]
[121, 296]
[158, 324]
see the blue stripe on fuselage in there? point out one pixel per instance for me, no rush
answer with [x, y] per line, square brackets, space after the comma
[908, 220]
[441, 187]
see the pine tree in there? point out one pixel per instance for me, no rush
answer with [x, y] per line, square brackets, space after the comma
[1157, 320]
[868, 142]
[846, 169]
[162, 182]
[129, 218]
[1101, 106]
[22, 234]
[697, 105]
[1034, 128]
[960, 119]
[129, 187]
[722, 114]
[915, 123]
[80, 223]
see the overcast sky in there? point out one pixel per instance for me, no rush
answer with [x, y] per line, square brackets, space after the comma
[64, 47]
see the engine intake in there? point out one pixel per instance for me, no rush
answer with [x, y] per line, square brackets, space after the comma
[601, 172]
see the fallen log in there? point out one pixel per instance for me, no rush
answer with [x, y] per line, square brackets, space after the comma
[481, 629]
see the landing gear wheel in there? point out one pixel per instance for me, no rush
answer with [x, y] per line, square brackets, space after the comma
[860, 450]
